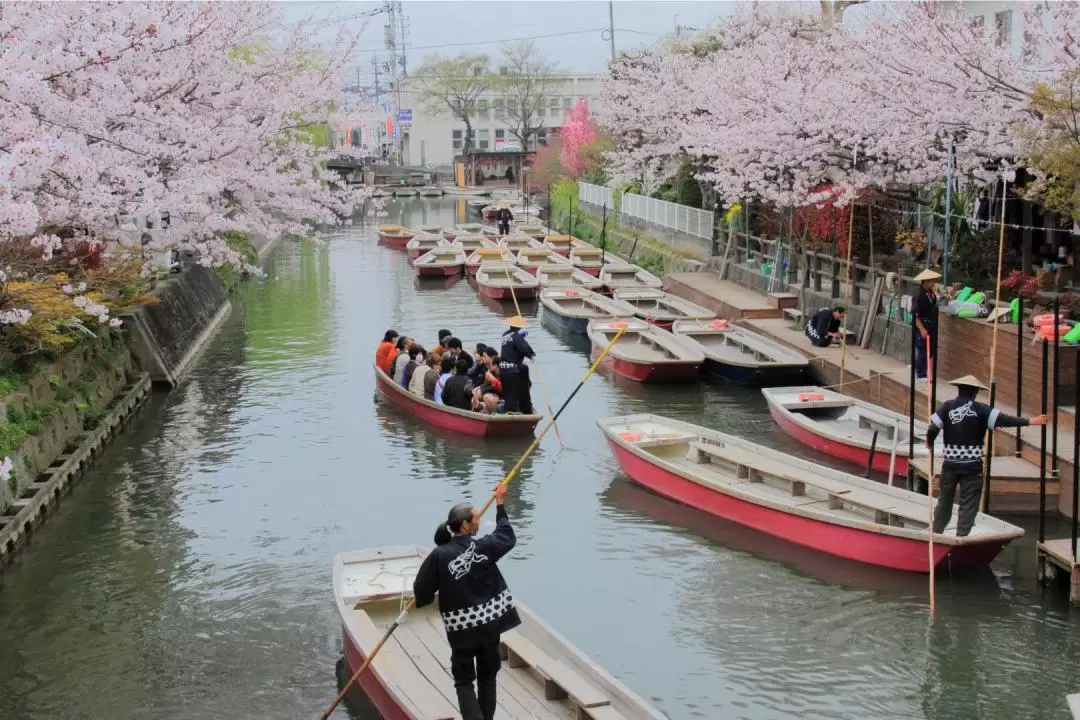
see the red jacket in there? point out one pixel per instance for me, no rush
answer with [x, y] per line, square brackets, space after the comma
[384, 355]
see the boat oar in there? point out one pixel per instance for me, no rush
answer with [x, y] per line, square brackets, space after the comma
[930, 476]
[539, 378]
[505, 481]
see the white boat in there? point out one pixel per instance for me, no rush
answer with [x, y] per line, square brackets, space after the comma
[431, 192]
[425, 242]
[589, 259]
[470, 228]
[573, 308]
[616, 275]
[410, 678]
[644, 352]
[561, 244]
[532, 258]
[553, 274]
[469, 192]
[484, 255]
[535, 231]
[503, 281]
[738, 355]
[661, 308]
[469, 243]
[517, 242]
[440, 262]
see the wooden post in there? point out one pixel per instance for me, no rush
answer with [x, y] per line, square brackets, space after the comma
[1042, 446]
[911, 409]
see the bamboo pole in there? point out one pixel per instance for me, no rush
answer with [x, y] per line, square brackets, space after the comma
[930, 485]
[997, 304]
[539, 377]
[847, 293]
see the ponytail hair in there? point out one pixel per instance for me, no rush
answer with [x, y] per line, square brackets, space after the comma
[457, 516]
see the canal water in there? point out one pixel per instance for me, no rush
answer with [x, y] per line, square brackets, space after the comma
[188, 576]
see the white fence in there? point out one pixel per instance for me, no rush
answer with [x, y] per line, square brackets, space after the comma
[698, 223]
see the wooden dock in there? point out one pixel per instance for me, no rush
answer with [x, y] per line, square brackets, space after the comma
[1014, 484]
[1056, 556]
[723, 297]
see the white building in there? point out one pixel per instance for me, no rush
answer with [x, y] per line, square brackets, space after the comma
[435, 139]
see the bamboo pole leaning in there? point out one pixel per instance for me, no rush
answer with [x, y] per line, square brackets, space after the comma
[504, 482]
[987, 446]
[847, 293]
[930, 480]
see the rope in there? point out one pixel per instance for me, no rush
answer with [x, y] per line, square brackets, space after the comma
[993, 343]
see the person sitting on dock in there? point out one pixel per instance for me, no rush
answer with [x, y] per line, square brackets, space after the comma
[474, 600]
[824, 326]
[964, 422]
[446, 368]
[457, 392]
[384, 354]
[512, 370]
[416, 360]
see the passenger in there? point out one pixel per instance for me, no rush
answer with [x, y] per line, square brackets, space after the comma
[453, 346]
[491, 383]
[492, 405]
[397, 365]
[384, 354]
[416, 360]
[447, 371]
[419, 376]
[515, 380]
[479, 366]
[458, 389]
[431, 379]
[441, 345]
[474, 601]
[824, 326]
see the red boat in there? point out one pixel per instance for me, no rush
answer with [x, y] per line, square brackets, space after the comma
[644, 352]
[410, 677]
[395, 236]
[843, 427]
[793, 499]
[453, 419]
[503, 281]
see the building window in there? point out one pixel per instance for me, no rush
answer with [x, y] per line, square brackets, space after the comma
[482, 105]
[500, 134]
[978, 22]
[483, 139]
[567, 102]
[542, 136]
[457, 136]
[1003, 27]
[555, 112]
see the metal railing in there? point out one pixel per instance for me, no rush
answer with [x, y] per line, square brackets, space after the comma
[688, 220]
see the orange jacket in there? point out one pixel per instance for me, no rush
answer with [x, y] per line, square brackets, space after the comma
[384, 355]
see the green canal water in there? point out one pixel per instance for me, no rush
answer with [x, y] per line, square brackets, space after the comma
[188, 576]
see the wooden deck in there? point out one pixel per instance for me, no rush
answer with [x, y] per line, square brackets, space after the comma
[723, 297]
[1014, 484]
[1057, 555]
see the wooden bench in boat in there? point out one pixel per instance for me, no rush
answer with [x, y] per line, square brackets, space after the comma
[887, 510]
[560, 680]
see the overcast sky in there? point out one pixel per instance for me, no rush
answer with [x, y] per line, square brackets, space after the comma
[568, 33]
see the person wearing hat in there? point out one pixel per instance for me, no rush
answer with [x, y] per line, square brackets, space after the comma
[824, 326]
[504, 218]
[474, 600]
[963, 421]
[513, 372]
[925, 309]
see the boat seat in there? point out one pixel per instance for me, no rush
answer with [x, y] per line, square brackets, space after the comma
[753, 468]
[664, 439]
[603, 712]
[560, 680]
[886, 510]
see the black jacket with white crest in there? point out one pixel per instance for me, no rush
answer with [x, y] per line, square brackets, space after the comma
[474, 601]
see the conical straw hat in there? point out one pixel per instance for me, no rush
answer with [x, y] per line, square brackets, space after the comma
[516, 321]
[969, 381]
[927, 274]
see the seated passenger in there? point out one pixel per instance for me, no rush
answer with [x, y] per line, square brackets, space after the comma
[457, 391]
[384, 354]
[447, 371]
[431, 378]
[492, 405]
[420, 373]
[416, 360]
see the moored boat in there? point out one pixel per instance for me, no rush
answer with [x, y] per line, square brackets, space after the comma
[431, 192]
[503, 281]
[449, 234]
[431, 229]
[484, 255]
[589, 259]
[531, 258]
[440, 261]
[559, 243]
[793, 499]
[741, 356]
[395, 236]
[517, 242]
[617, 275]
[410, 677]
[467, 191]
[469, 228]
[535, 231]
[477, 206]
[421, 244]
[555, 275]
[573, 308]
[661, 308]
[843, 427]
[644, 352]
[470, 243]
[464, 422]
[490, 213]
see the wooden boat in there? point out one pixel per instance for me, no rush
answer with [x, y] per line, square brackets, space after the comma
[490, 213]
[503, 281]
[395, 236]
[843, 427]
[661, 308]
[450, 235]
[741, 356]
[484, 255]
[467, 191]
[589, 259]
[405, 192]
[555, 275]
[796, 500]
[380, 192]
[616, 276]
[421, 244]
[491, 234]
[477, 206]
[561, 244]
[469, 228]
[517, 242]
[431, 229]
[644, 352]
[410, 677]
[440, 261]
[536, 232]
[470, 243]
[431, 192]
[573, 308]
[532, 258]
[464, 422]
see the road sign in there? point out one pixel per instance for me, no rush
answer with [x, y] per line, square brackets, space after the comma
[404, 115]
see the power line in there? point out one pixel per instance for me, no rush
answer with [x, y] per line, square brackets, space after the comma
[501, 41]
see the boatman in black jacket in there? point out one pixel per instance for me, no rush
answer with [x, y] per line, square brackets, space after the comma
[513, 372]
[474, 601]
[964, 421]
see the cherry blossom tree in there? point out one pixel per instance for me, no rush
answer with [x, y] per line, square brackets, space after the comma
[578, 137]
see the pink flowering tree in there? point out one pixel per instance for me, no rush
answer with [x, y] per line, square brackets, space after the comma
[578, 136]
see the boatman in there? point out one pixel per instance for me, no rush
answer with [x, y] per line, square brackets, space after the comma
[964, 421]
[924, 307]
[474, 601]
[513, 372]
[504, 218]
[824, 326]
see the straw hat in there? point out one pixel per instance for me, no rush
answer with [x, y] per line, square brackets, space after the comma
[968, 381]
[927, 274]
[516, 321]
[504, 205]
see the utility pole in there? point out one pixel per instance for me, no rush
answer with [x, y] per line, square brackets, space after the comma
[611, 26]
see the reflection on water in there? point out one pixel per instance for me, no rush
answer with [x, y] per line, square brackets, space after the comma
[188, 577]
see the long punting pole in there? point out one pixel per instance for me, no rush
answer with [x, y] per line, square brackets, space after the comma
[984, 500]
[1020, 367]
[997, 289]
[1054, 471]
[504, 482]
[847, 290]
[1042, 447]
[930, 482]
[948, 219]
[1076, 473]
[911, 409]
[931, 363]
